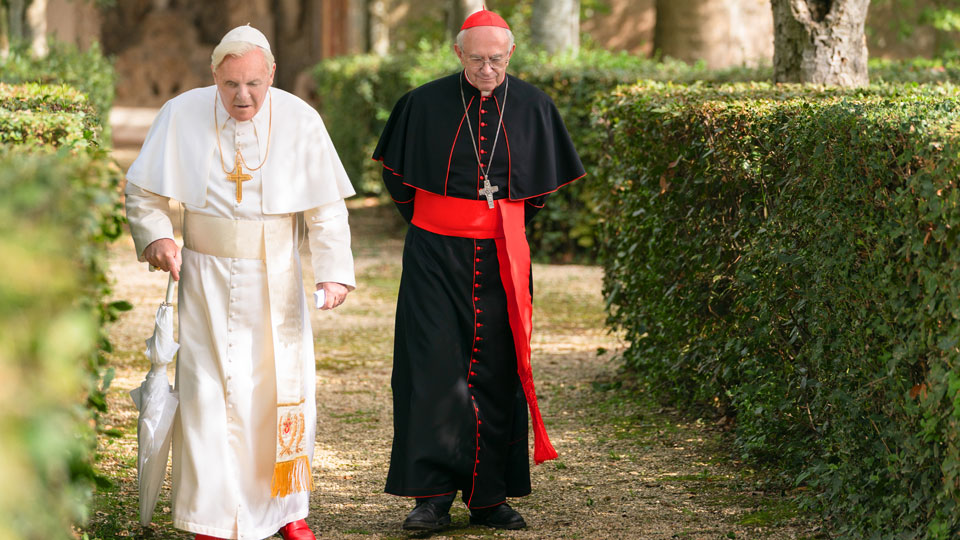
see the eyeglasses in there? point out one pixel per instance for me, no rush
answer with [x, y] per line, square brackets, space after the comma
[498, 61]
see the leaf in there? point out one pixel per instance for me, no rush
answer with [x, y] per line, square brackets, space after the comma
[121, 305]
[947, 343]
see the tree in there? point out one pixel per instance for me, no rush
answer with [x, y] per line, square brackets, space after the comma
[26, 22]
[722, 33]
[555, 25]
[820, 41]
[379, 27]
[459, 10]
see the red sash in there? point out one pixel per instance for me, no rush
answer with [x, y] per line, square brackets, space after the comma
[451, 216]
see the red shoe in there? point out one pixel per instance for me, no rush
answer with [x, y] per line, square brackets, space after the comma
[297, 530]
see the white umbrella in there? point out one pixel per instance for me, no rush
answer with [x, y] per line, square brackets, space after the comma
[157, 402]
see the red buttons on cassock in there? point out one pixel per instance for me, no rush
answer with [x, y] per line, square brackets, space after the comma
[482, 138]
[482, 151]
[483, 124]
[479, 325]
[469, 386]
[478, 272]
[483, 111]
[479, 311]
[476, 285]
[472, 374]
[476, 350]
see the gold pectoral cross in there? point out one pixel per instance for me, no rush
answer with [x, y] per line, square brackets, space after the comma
[238, 176]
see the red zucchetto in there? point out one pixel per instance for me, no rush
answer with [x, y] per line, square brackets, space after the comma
[484, 17]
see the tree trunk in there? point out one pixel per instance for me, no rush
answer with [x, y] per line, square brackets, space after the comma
[37, 27]
[555, 25]
[722, 33]
[358, 17]
[459, 11]
[4, 32]
[16, 15]
[820, 42]
[379, 28]
[27, 23]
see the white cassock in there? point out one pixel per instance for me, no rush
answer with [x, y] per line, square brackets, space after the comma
[225, 437]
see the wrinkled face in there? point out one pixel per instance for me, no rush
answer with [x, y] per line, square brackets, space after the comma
[243, 82]
[486, 51]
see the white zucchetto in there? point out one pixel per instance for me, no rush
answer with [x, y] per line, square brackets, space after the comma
[247, 34]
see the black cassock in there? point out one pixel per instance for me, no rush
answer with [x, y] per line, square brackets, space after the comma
[460, 416]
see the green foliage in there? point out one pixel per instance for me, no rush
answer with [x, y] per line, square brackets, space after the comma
[941, 16]
[357, 94]
[788, 256]
[58, 211]
[88, 71]
[39, 115]
[61, 207]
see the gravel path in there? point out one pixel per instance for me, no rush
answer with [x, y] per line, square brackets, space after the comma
[627, 469]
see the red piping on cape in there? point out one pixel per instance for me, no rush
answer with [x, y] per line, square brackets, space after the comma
[466, 218]
[446, 179]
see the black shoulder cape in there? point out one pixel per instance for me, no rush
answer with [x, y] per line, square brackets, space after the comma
[427, 141]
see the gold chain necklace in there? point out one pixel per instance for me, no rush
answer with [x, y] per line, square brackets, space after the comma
[237, 175]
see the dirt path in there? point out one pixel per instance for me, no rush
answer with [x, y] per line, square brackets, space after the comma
[626, 468]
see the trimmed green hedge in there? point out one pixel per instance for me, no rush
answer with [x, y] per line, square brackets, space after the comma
[57, 213]
[39, 115]
[87, 71]
[788, 257]
[357, 94]
[61, 206]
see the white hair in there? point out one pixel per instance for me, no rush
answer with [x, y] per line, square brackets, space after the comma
[237, 48]
[463, 33]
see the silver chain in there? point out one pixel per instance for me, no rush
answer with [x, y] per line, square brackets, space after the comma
[466, 114]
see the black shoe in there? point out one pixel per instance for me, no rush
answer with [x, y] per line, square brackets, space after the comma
[426, 517]
[498, 517]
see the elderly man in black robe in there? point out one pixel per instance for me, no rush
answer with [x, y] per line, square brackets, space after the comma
[469, 159]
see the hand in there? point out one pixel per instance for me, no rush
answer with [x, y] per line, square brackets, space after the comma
[165, 255]
[336, 293]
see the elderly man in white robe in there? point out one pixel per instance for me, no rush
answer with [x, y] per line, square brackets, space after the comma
[243, 160]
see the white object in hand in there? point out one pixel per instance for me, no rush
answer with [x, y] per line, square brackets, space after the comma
[320, 297]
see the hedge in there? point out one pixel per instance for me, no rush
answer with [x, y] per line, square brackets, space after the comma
[357, 93]
[38, 115]
[788, 257]
[60, 208]
[87, 71]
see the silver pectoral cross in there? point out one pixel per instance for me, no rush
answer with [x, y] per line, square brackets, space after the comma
[488, 191]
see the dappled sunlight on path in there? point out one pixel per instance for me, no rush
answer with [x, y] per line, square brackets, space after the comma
[627, 469]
